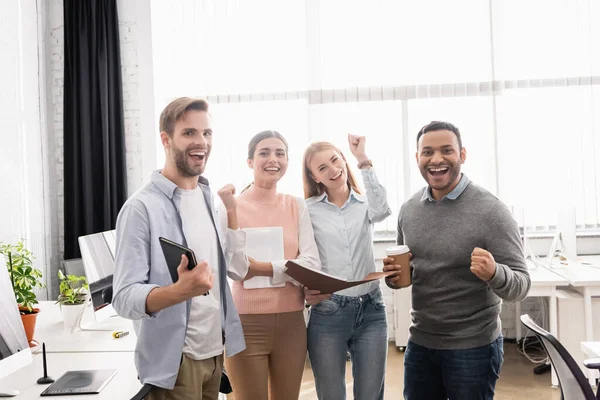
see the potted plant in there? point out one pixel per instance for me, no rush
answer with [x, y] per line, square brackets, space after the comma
[25, 279]
[72, 297]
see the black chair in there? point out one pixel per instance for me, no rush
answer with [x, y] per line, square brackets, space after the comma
[573, 383]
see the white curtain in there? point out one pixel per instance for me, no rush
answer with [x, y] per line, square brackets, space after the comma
[520, 79]
[22, 191]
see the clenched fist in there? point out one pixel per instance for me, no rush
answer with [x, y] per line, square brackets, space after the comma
[194, 282]
[227, 197]
[483, 264]
[357, 147]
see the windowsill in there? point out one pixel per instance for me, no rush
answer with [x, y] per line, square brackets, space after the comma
[384, 237]
[390, 237]
[592, 233]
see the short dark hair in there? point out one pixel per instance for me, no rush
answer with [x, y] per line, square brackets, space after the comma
[174, 111]
[440, 126]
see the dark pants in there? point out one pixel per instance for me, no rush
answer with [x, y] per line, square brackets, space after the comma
[468, 374]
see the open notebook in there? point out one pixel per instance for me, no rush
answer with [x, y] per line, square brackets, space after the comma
[325, 283]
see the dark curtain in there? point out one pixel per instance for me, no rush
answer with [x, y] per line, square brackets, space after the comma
[95, 185]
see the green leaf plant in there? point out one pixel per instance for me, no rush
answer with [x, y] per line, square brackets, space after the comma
[72, 289]
[24, 277]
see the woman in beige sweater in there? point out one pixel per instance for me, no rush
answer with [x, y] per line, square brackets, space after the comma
[272, 317]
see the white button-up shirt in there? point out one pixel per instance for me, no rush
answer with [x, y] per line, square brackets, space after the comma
[344, 235]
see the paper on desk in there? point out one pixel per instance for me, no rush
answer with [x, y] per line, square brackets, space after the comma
[325, 283]
[264, 244]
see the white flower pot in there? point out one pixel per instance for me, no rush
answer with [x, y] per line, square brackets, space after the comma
[70, 313]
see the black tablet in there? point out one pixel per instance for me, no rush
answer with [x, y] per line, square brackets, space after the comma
[80, 382]
[172, 252]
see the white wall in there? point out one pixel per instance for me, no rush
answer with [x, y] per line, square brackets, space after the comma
[138, 99]
[52, 82]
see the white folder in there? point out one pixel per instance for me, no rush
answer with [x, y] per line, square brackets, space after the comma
[264, 244]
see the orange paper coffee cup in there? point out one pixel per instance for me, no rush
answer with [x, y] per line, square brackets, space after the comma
[401, 257]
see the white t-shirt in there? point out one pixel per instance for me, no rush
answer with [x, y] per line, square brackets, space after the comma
[204, 333]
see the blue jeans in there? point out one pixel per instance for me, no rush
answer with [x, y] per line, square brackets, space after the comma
[468, 374]
[355, 324]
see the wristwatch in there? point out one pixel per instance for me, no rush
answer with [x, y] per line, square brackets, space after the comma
[365, 163]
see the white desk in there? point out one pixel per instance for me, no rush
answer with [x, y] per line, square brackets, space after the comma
[543, 284]
[591, 349]
[50, 329]
[586, 280]
[122, 386]
[79, 350]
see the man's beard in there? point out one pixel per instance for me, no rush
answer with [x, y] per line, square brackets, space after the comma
[184, 168]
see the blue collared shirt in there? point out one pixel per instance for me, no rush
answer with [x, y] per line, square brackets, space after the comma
[140, 266]
[453, 195]
[344, 235]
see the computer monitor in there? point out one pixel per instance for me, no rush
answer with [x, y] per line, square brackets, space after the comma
[552, 251]
[14, 348]
[98, 256]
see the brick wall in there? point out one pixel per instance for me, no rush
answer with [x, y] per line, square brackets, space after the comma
[55, 81]
[131, 103]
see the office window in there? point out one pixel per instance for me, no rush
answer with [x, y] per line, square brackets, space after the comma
[548, 145]
[23, 204]
[520, 81]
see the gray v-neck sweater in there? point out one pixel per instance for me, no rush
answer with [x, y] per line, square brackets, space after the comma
[451, 307]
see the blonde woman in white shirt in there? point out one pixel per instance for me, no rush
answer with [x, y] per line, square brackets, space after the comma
[354, 319]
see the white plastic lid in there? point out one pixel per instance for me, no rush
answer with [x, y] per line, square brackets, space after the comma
[396, 250]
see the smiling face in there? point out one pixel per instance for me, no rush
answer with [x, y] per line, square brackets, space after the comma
[190, 144]
[440, 158]
[270, 161]
[329, 168]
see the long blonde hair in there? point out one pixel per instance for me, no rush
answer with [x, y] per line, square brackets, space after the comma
[311, 187]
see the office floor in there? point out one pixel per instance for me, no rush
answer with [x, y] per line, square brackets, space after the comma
[517, 380]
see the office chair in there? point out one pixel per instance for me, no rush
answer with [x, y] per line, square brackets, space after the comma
[573, 383]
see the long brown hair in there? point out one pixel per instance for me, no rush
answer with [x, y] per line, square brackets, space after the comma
[259, 137]
[311, 187]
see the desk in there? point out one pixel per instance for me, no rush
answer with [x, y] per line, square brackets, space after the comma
[543, 284]
[79, 350]
[122, 386]
[586, 280]
[591, 349]
[50, 329]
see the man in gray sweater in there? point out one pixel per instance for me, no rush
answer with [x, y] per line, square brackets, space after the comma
[467, 256]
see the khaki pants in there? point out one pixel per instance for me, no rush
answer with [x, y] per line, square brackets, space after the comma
[271, 367]
[196, 380]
